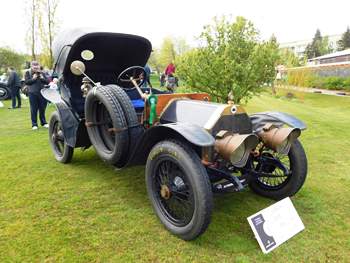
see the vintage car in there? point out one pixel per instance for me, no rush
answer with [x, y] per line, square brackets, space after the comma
[191, 147]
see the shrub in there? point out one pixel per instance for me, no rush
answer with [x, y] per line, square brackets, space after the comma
[347, 84]
[335, 83]
[231, 60]
[301, 77]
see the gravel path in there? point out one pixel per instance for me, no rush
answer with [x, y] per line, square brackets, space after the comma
[321, 91]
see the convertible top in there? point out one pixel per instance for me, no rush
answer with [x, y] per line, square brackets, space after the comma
[113, 52]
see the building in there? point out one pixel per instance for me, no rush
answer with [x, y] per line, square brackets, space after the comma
[336, 57]
[298, 47]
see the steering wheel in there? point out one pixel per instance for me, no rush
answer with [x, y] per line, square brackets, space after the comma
[137, 73]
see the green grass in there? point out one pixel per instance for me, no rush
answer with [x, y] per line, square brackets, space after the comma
[155, 80]
[89, 212]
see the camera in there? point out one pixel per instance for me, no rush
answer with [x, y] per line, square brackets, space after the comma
[38, 73]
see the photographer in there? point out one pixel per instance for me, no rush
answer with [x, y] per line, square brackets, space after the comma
[36, 80]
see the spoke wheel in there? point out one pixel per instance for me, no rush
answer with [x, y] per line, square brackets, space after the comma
[280, 176]
[174, 194]
[63, 152]
[57, 138]
[179, 189]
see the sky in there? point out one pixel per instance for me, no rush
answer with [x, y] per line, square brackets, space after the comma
[287, 20]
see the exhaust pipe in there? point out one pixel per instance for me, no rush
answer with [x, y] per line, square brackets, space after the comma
[235, 148]
[279, 139]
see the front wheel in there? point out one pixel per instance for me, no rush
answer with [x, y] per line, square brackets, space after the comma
[63, 152]
[179, 189]
[283, 175]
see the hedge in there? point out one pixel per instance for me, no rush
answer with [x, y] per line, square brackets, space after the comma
[309, 78]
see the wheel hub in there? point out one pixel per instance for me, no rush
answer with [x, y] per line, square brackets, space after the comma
[165, 192]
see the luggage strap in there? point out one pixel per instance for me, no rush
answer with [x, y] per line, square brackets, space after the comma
[115, 130]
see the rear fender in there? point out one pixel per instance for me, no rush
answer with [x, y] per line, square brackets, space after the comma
[69, 123]
[277, 118]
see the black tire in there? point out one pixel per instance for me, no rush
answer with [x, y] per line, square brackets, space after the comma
[106, 125]
[297, 162]
[134, 128]
[193, 189]
[4, 92]
[62, 152]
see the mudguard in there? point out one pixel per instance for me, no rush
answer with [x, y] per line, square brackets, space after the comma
[69, 123]
[194, 134]
[277, 118]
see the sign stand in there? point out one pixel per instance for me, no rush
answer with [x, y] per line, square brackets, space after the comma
[275, 224]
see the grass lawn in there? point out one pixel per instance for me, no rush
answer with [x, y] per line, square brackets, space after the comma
[89, 212]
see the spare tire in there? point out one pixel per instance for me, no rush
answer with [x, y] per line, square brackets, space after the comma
[106, 125]
[135, 128]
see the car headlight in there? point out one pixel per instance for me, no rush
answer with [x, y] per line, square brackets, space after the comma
[238, 154]
[279, 139]
[235, 148]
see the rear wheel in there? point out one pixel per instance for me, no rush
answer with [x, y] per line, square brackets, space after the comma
[287, 174]
[179, 189]
[62, 152]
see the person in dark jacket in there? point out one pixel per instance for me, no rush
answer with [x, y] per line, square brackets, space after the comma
[14, 84]
[147, 82]
[36, 80]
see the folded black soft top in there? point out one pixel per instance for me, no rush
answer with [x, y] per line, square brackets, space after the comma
[113, 52]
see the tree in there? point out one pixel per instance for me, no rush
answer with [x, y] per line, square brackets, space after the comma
[288, 58]
[10, 58]
[326, 47]
[231, 60]
[318, 47]
[170, 49]
[32, 8]
[180, 46]
[344, 42]
[48, 28]
[153, 61]
[167, 52]
[42, 27]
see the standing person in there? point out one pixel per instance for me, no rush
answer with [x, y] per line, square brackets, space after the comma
[162, 79]
[36, 80]
[14, 84]
[147, 82]
[170, 69]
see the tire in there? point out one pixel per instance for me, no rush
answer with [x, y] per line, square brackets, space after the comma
[134, 128]
[106, 125]
[186, 180]
[62, 152]
[4, 92]
[292, 184]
